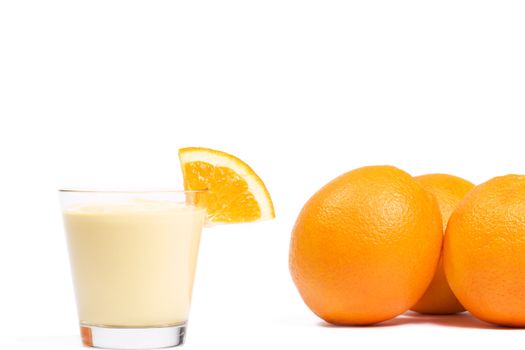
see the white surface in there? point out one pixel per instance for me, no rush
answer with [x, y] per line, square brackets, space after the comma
[104, 93]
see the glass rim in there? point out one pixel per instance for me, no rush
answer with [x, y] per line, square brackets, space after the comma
[124, 191]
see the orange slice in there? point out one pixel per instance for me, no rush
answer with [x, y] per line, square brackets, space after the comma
[235, 192]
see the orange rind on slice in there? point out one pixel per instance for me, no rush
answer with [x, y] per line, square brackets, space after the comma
[235, 193]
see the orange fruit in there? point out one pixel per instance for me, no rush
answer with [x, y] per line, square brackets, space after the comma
[484, 251]
[234, 191]
[365, 246]
[449, 190]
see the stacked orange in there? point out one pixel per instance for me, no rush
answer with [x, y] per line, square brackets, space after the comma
[484, 251]
[367, 247]
[449, 190]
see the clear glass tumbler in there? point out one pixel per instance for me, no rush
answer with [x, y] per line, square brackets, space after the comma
[133, 257]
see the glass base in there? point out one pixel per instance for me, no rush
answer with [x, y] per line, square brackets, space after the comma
[132, 338]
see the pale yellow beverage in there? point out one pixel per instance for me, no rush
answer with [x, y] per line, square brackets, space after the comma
[133, 263]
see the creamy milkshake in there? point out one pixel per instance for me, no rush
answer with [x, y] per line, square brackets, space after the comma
[133, 263]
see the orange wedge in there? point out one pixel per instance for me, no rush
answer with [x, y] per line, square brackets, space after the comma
[234, 191]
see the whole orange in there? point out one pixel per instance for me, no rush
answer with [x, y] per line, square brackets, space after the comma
[365, 246]
[449, 190]
[484, 251]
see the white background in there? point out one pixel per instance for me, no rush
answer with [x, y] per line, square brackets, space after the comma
[103, 93]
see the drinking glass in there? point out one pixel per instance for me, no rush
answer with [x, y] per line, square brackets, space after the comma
[133, 256]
